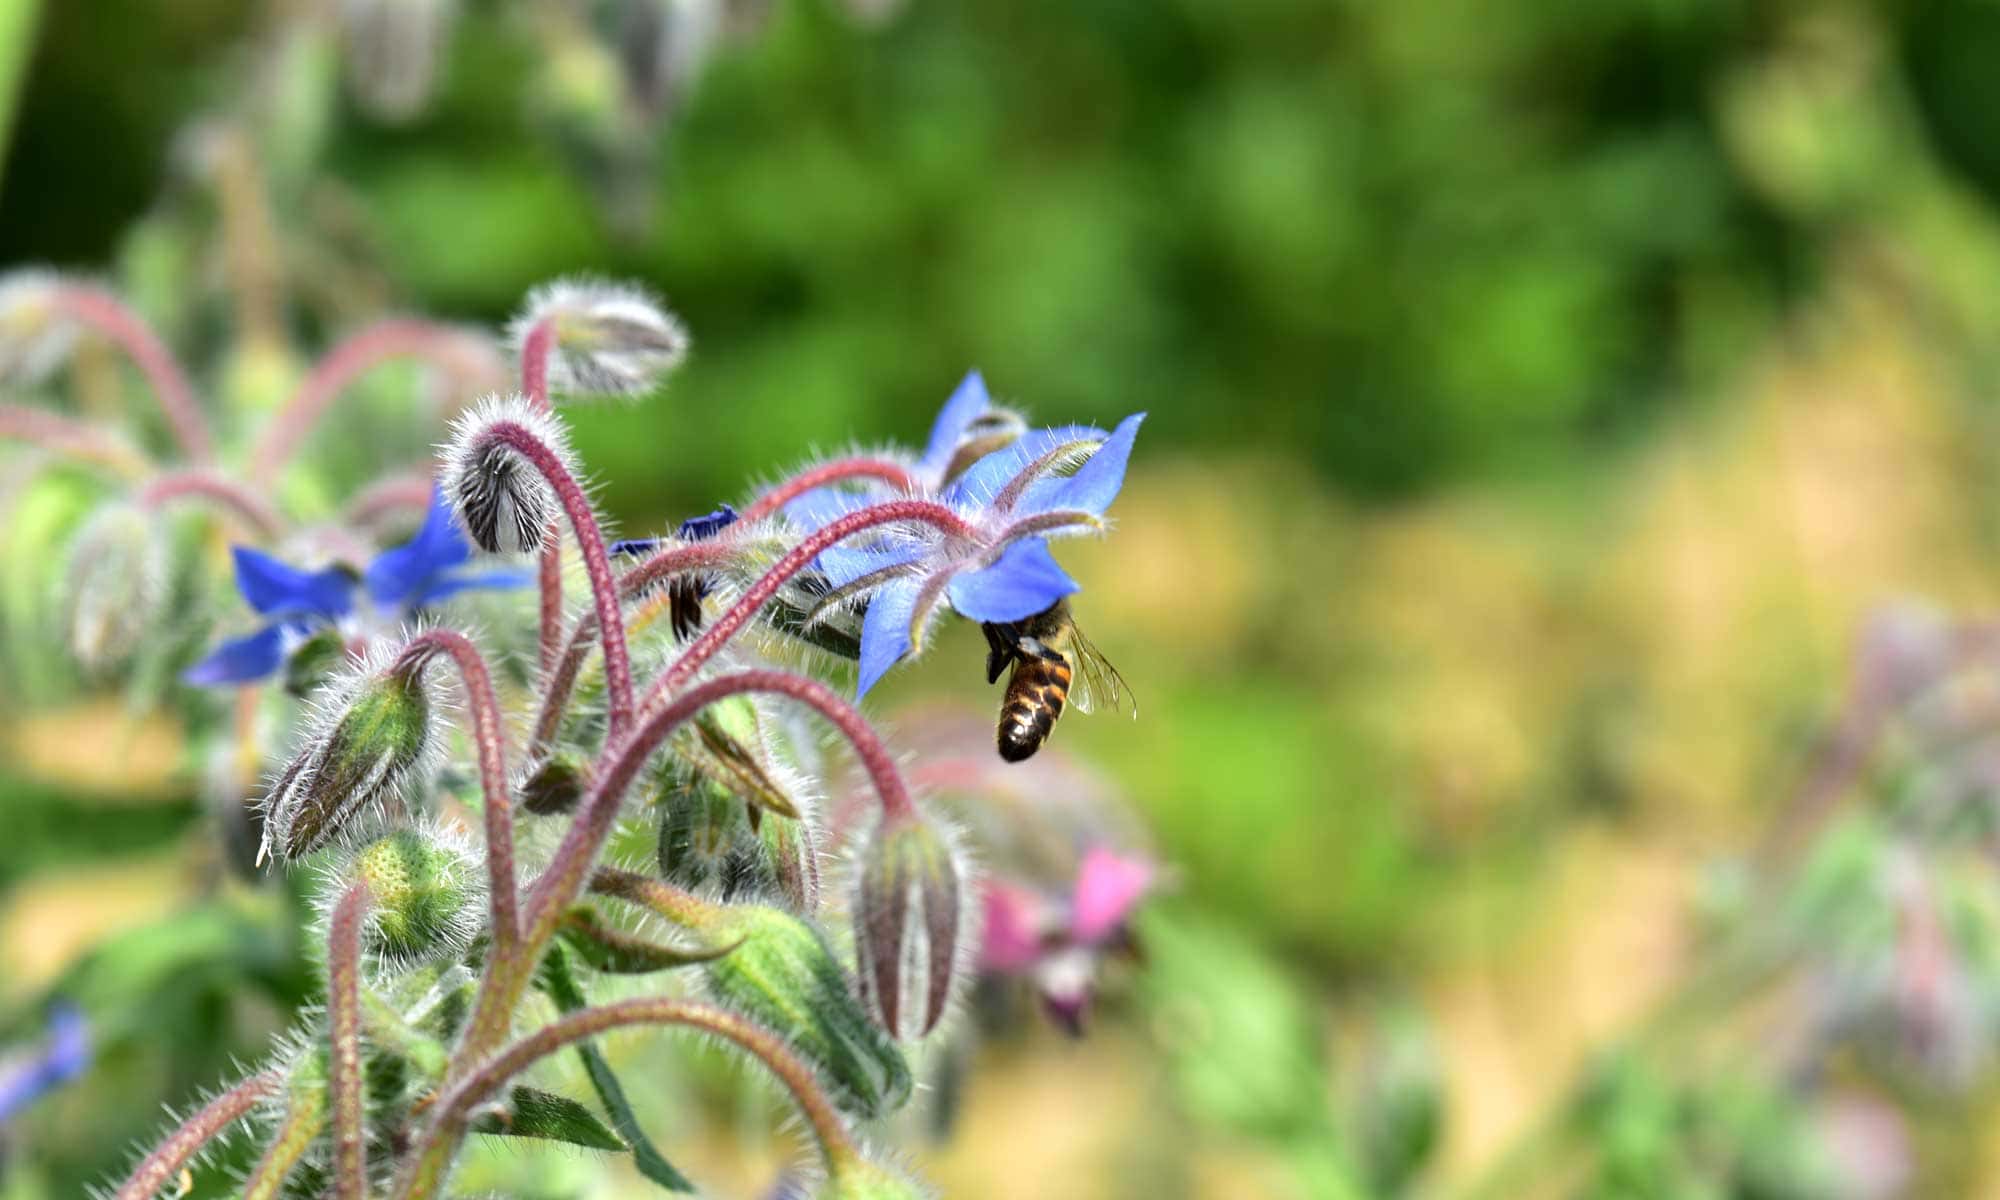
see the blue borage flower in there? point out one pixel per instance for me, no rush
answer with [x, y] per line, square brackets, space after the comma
[399, 583]
[1015, 499]
[63, 1056]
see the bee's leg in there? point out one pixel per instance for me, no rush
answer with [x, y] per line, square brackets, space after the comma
[1000, 649]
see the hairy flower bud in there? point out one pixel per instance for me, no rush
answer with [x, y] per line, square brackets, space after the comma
[426, 892]
[712, 839]
[392, 50]
[909, 923]
[556, 786]
[361, 754]
[504, 503]
[784, 976]
[35, 337]
[702, 826]
[606, 339]
[116, 584]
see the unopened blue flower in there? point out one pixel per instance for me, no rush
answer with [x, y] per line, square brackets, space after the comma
[62, 1057]
[684, 595]
[399, 583]
[1014, 499]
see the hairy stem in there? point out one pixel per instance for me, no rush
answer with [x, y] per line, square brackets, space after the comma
[165, 1161]
[305, 1119]
[113, 318]
[548, 901]
[535, 350]
[730, 623]
[560, 682]
[69, 437]
[549, 577]
[386, 495]
[571, 866]
[350, 359]
[343, 1008]
[681, 907]
[256, 516]
[503, 903]
[590, 540]
[887, 470]
[439, 1142]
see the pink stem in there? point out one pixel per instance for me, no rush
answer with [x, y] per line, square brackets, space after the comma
[503, 902]
[343, 1006]
[561, 682]
[245, 505]
[386, 495]
[861, 467]
[158, 1168]
[115, 319]
[550, 575]
[570, 868]
[535, 350]
[590, 539]
[752, 601]
[53, 431]
[350, 359]
[440, 1139]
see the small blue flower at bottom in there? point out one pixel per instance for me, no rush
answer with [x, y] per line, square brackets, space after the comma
[64, 1056]
[398, 584]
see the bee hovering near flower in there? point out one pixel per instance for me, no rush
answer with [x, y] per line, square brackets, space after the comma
[1047, 652]
[997, 570]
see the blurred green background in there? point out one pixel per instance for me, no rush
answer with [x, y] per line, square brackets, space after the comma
[1541, 394]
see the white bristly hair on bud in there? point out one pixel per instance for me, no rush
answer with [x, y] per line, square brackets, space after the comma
[35, 338]
[342, 796]
[116, 585]
[502, 501]
[607, 339]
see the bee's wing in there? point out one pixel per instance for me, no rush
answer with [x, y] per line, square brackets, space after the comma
[1095, 681]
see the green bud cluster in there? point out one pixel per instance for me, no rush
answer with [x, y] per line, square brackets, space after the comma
[784, 976]
[426, 893]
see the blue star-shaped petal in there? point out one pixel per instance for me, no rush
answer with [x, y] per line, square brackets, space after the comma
[401, 581]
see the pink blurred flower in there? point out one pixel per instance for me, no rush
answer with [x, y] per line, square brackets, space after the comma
[1058, 942]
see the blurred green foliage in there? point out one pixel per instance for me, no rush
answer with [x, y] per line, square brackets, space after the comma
[1361, 255]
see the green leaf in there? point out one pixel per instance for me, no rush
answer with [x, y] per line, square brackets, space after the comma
[560, 984]
[533, 1113]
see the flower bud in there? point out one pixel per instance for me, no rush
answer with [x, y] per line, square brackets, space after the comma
[729, 747]
[363, 752]
[35, 336]
[392, 50]
[607, 339]
[426, 891]
[908, 923]
[503, 501]
[702, 825]
[784, 976]
[556, 786]
[116, 585]
[712, 840]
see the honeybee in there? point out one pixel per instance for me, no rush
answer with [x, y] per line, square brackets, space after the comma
[1054, 664]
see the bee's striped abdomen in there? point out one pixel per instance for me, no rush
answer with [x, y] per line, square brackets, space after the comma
[1035, 696]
